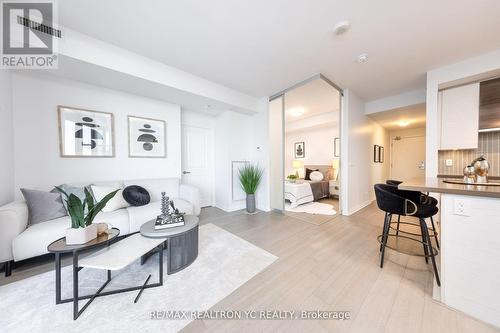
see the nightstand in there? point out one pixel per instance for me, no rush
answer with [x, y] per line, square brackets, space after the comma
[334, 188]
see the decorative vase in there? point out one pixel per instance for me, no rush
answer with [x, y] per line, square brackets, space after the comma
[250, 203]
[76, 236]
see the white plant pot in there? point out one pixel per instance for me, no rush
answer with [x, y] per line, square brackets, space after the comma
[81, 235]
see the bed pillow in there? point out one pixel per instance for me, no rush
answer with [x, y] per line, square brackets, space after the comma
[316, 176]
[308, 173]
[117, 202]
[43, 206]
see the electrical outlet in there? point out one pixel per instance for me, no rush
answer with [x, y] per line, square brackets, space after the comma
[448, 163]
[461, 207]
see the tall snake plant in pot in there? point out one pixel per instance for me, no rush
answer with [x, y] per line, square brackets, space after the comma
[250, 176]
[82, 215]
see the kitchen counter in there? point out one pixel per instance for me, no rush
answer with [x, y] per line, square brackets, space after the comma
[437, 185]
[469, 231]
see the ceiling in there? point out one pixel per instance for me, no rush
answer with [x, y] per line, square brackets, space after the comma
[261, 47]
[311, 99]
[406, 117]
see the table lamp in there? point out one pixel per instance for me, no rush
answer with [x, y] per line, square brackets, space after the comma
[335, 167]
[297, 165]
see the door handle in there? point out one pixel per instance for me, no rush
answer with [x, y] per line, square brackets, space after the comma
[185, 172]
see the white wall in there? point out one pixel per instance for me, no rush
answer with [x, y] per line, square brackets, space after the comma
[233, 141]
[359, 172]
[397, 101]
[260, 151]
[318, 146]
[237, 137]
[36, 138]
[6, 140]
[481, 67]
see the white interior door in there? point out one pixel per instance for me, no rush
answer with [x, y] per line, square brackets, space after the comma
[408, 158]
[197, 161]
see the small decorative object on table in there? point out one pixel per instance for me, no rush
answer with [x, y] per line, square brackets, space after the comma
[469, 175]
[292, 178]
[168, 219]
[481, 168]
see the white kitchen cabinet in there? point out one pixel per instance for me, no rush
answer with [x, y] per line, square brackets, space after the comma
[459, 117]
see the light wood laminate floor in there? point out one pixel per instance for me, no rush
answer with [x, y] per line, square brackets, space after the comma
[332, 266]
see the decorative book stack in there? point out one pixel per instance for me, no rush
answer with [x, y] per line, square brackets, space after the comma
[170, 216]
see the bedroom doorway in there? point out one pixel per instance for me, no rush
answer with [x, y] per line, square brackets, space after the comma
[305, 150]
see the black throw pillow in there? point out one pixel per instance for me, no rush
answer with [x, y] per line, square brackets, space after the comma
[136, 195]
[308, 173]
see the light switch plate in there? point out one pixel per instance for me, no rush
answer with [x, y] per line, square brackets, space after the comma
[448, 163]
[461, 207]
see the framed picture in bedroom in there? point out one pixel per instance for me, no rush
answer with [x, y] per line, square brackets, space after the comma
[381, 154]
[85, 133]
[336, 147]
[376, 153]
[146, 137]
[300, 150]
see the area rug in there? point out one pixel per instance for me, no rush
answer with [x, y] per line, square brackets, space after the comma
[224, 263]
[312, 208]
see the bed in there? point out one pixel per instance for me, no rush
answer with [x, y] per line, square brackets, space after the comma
[304, 191]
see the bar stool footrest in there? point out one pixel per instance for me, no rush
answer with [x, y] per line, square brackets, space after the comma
[406, 245]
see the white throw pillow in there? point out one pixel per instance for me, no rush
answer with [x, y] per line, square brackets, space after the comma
[117, 202]
[316, 176]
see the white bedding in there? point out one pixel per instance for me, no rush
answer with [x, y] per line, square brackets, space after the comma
[298, 193]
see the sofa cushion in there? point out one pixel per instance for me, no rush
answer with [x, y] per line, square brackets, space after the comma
[79, 191]
[117, 219]
[115, 203]
[34, 240]
[142, 214]
[136, 195]
[156, 186]
[43, 206]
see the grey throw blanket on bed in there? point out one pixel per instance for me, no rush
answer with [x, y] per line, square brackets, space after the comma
[320, 189]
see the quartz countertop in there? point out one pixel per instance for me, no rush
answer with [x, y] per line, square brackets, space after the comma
[438, 186]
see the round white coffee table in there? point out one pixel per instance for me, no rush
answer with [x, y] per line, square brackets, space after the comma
[181, 242]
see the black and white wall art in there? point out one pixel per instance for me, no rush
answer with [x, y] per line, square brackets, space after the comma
[147, 137]
[85, 133]
[300, 150]
[376, 154]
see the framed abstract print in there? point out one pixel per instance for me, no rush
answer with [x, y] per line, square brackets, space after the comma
[147, 137]
[85, 133]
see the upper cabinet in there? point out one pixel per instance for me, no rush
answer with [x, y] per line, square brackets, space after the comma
[489, 106]
[459, 110]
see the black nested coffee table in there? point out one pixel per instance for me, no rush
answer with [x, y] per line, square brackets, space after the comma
[59, 247]
[181, 242]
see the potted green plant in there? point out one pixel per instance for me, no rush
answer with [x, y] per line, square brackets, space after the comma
[82, 214]
[292, 178]
[250, 176]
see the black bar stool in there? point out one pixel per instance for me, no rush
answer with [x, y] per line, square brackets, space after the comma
[418, 197]
[395, 202]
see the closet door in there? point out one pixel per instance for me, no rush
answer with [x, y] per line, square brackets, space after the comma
[276, 156]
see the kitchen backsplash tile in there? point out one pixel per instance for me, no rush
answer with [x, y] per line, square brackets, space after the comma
[489, 146]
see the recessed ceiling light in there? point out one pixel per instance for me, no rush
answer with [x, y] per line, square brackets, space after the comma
[362, 58]
[296, 112]
[404, 123]
[341, 28]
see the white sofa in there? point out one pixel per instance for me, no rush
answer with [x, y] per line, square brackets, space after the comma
[18, 241]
